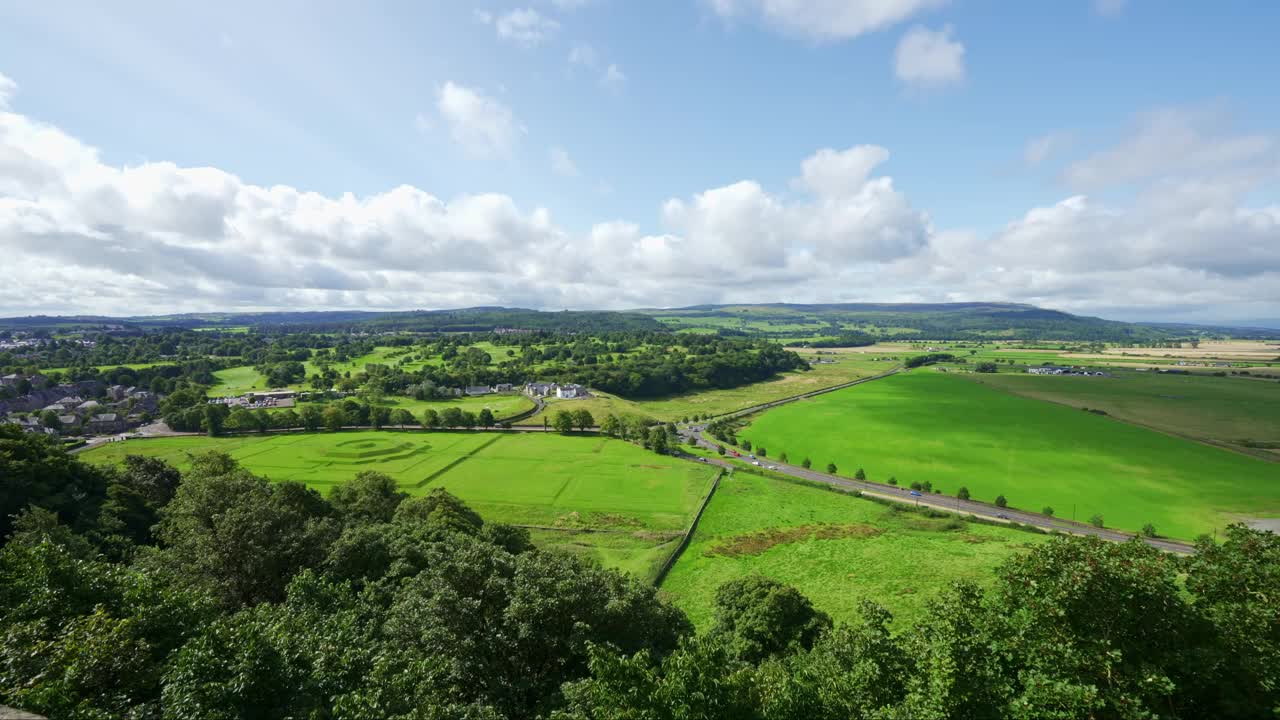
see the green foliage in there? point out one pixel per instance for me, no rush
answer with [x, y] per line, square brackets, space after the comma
[563, 422]
[35, 471]
[240, 536]
[963, 493]
[369, 497]
[761, 618]
[1001, 501]
[1096, 521]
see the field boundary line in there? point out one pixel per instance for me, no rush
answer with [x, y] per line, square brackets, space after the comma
[457, 461]
[607, 531]
[688, 535]
[802, 396]
[1210, 442]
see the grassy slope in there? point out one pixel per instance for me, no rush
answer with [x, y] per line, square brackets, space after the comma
[1203, 407]
[641, 500]
[898, 568]
[723, 401]
[953, 432]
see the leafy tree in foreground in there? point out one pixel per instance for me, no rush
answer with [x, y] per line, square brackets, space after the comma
[369, 497]
[240, 536]
[761, 618]
[563, 422]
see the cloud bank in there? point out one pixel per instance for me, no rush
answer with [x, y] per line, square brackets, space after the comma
[81, 235]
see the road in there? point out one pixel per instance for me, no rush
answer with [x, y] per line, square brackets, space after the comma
[694, 434]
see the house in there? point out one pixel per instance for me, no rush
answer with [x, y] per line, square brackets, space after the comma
[88, 405]
[479, 390]
[106, 424]
[69, 421]
[13, 379]
[540, 389]
[117, 392]
[572, 390]
[502, 387]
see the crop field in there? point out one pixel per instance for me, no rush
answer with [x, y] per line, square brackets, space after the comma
[238, 381]
[835, 548]
[1222, 410]
[949, 431]
[604, 498]
[723, 401]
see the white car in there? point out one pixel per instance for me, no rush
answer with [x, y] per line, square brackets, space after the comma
[756, 463]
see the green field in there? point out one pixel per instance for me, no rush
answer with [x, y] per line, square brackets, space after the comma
[604, 498]
[717, 402]
[237, 381]
[1222, 410]
[928, 426]
[756, 525]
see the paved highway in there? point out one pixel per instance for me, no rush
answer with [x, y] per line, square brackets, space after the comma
[694, 434]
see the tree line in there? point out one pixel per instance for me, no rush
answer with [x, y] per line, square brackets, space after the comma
[145, 592]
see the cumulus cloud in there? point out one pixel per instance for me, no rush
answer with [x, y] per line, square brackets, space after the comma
[1177, 142]
[825, 19]
[481, 124]
[8, 88]
[525, 27]
[562, 164]
[928, 58]
[1039, 150]
[1109, 8]
[613, 78]
[81, 235]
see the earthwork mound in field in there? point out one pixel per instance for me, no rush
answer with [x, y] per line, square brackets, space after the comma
[761, 540]
[375, 448]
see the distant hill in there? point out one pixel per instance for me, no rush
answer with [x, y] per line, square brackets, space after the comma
[900, 321]
[477, 319]
[783, 321]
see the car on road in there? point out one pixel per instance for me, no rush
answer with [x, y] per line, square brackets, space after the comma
[1002, 516]
[773, 467]
[756, 463]
[915, 493]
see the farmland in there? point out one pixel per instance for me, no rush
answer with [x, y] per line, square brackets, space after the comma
[716, 402]
[597, 497]
[835, 548]
[931, 427]
[1224, 411]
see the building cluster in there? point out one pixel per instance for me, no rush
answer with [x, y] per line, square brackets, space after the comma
[1055, 370]
[567, 391]
[87, 407]
[265, 400]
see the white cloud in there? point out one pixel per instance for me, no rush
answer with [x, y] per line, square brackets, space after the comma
[1178, 142]
[929, 58]
[476, 121]
[584, 55]
[825, 19]
[613, 78]
[525, 27]
[1039, 150]
[159, 237]
[8, 88]
[561, 163]
[484, 17]
[569, 5]
[1109, 8]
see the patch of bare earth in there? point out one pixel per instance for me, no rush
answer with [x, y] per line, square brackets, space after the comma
[761, 540]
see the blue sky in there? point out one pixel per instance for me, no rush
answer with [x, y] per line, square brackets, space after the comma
[1107, 157]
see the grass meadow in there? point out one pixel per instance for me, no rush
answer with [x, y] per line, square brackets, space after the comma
[944, 429]
[835, 548]
[1222, 410]
[718, 402]
[606, 499]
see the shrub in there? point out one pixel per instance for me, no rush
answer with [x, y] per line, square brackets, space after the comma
[916, 486]
[893, 480]
[1149, 530]
[805, 463]
[1096, 521]
[860, 474]
[831, 468]
[1001, 501]
[1047, 511]
[963, 493]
